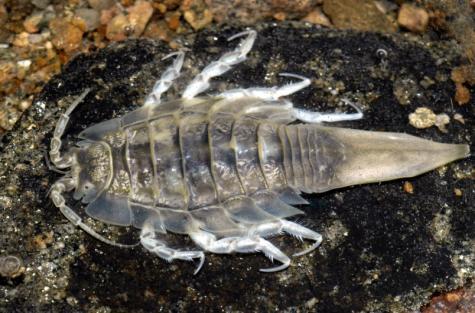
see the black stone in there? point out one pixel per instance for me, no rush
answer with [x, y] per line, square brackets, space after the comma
[379, 253]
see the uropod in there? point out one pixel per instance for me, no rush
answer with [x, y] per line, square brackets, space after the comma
[227, 169]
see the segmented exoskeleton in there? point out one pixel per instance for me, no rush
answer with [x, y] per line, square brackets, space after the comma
[225, 169]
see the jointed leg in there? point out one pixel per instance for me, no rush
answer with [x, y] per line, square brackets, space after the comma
[54, 153]
[249, 244]
[300, 232]
[270, 94]
[294, 229]
[201, 82]
[148, 238]
[56, 191]
[316, 117]
[167, 78]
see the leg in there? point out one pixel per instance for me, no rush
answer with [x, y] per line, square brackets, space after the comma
[55, 144]
[68, 184]
[201, 82]
[316, 117]
[300, 232]
[167, 78]
[294, 229]
[149, 240]
[270, 94]
[247, 244]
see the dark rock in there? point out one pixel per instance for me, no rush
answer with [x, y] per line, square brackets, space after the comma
[383, 249]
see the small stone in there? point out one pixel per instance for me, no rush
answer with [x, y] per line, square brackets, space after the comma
[198, 20]
[422, 118]
[157, 30]
[121, 27]
[317, 17]
[11, 266]
[40, 4]
[3, 14]
[413, 18]
[441, 120]
[173, 20]
[139, 15]
[458, 192]
[280, 16]
[90, 17]
[100, 5]
[117, 28]
[459, 74]
[32, 22]
[462, 94]
[21, 40]
[408, 187]
[459, 118]
[357, 14]
[66, 36]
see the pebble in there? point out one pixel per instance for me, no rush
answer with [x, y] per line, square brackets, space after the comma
[441, 120]
[357, 14]
[422, 118]
[413, 18]
[198, 20]
[3, 14]
[462, 94]
[459, 118]
[317, 17]
[11, 266]
[121, 27]
[408, 187]
[32, 22]
[157, 30]
[90, 18]
[100, 5]
[40, 4]
[66, 36]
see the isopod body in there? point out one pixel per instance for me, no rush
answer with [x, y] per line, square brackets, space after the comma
[225, 169]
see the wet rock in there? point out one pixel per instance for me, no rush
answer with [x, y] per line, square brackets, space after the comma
[131, 25]
[413, 18]
[66, 35]
[357, 14]
[380, 254]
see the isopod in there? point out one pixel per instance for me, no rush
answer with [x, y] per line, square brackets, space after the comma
[226, 169]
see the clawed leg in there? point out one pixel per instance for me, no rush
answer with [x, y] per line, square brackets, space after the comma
[55, 144]
[270, 94]
[167, 78]
[201, 82]
[148, 238]
[316, 117]
[300, 232]
[241, 245]
[294, 229]
[68, 184]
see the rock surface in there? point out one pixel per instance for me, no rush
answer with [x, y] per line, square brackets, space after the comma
[384, 249]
